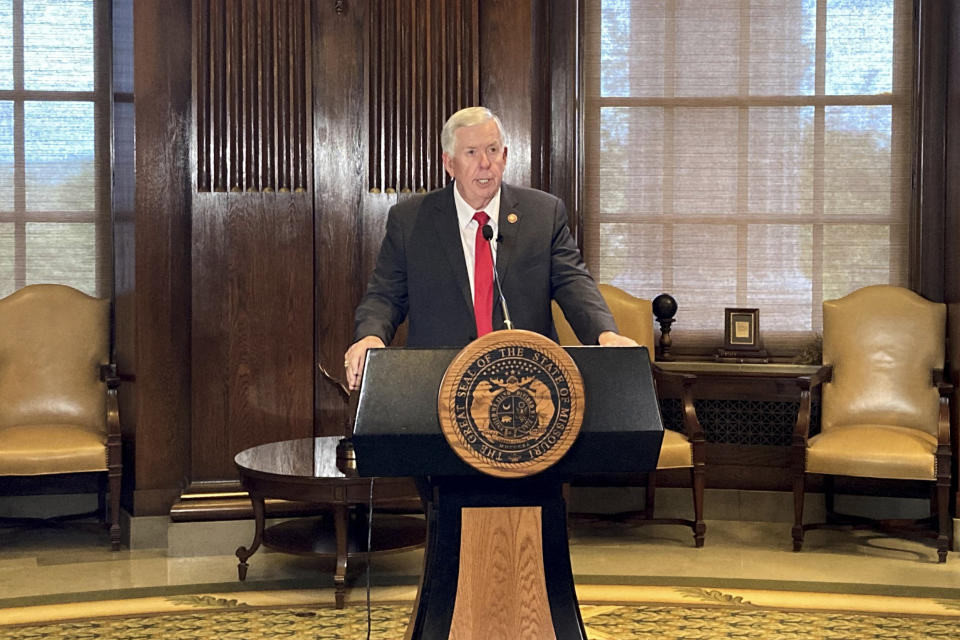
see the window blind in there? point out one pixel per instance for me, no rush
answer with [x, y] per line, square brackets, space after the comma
[747, 153]
[54, 141]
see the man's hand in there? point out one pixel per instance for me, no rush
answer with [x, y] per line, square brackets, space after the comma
[355, 356]
[611, 339]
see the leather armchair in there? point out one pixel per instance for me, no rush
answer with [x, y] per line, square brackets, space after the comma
[680, 450]
[58, 405]
[885, 408]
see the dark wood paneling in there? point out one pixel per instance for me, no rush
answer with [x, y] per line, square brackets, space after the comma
[563, 148]
[252, 80]
[252, 328]
[731, 466]
[534, 45]
[158, 403]
[252, 336]
[952, 240]
[927, 229]
[952, 169]
[340, 164]
[952, 204]
[422, 66]
[508, 67]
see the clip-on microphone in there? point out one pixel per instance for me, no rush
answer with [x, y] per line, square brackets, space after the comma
[488, 236]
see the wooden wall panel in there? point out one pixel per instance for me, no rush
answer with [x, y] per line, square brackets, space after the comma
[340, 201]
[252, 327]
[252, 331]
[952, 239]
[926, 270]
[562, 148]
[535, 45]
[422, 66]
[510, 81]
[252, 80]
[154, 293]
[952, 169]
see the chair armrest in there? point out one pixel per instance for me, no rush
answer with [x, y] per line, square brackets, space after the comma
[801, 431]
[691, 424]
[113, 414]
[108, 373]
[945, 388]
[822, 375]
[939, 380]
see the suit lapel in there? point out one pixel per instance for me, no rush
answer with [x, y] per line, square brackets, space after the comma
[507, 230]
[444, 216]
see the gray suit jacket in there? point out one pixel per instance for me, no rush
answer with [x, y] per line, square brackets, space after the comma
[421, 274]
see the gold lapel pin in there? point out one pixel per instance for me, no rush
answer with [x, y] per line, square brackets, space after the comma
[511, 218]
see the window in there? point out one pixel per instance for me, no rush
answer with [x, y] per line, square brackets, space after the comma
[747, 153]
[54, 147]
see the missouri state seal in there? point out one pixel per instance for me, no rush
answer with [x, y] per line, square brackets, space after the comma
[511, 403]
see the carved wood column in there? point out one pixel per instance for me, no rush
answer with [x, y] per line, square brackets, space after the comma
[423, 65]
[251, 250]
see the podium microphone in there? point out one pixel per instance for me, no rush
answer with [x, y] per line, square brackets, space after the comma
[488, 236]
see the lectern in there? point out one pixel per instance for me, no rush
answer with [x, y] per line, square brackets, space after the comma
[497, 562]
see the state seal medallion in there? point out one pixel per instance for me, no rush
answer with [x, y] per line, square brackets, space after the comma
[511, 403]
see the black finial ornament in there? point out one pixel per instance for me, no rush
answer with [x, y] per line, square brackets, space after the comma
[665, 308]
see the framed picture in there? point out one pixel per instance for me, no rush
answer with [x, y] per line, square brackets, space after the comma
[741, 329]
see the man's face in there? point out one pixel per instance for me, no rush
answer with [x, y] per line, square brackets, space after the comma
[477, 162]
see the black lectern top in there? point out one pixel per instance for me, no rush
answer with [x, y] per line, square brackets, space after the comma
[397, 431]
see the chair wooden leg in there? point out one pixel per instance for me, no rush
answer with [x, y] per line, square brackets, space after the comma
[103, 510]
[799, 486]
[115, 510]
[699, 527]
[942, 513]
[650, 498]
[828, 496]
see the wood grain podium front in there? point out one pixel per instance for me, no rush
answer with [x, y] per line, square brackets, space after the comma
[497, 561]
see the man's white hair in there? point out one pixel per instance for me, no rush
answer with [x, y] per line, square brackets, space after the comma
[467, 118]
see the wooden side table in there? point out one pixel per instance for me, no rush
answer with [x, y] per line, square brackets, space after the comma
[740, 369]
[305, 470]
[739, 465]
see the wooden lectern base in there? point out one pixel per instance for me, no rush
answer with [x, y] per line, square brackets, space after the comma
[501, 592]
[497, 564]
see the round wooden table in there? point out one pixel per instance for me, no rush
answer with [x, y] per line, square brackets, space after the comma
[306, 470]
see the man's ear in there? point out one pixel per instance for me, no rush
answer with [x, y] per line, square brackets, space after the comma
[504, 154]
[446, 163]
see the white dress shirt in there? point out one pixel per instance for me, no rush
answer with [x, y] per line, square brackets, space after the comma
[468, 228]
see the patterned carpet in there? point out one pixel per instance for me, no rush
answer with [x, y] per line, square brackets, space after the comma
[609, 612]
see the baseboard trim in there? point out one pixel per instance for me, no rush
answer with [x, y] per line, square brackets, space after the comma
[738, 504]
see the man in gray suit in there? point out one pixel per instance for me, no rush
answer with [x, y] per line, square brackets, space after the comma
[427, 268]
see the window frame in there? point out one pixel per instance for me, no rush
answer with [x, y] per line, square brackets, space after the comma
[101, 99]
[817, 219]
[931, 215]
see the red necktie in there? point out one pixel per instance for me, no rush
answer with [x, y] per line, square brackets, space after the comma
[482, 278]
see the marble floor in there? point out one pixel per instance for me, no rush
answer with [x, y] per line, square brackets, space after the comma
[67, 562]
